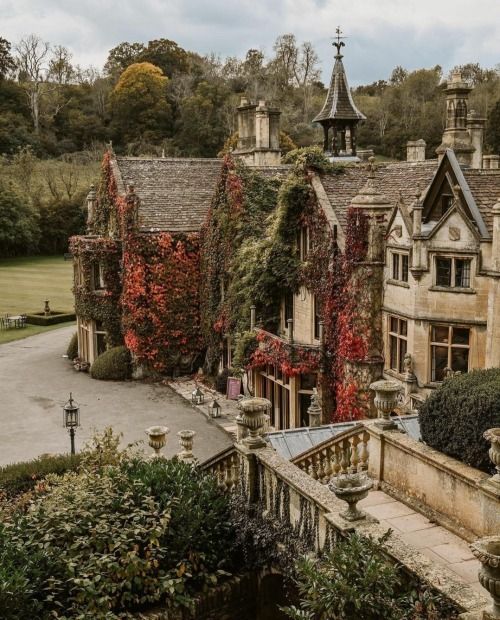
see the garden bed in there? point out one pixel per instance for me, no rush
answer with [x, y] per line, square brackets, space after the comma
[40, 318]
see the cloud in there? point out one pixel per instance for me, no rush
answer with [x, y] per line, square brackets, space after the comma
[381, 33]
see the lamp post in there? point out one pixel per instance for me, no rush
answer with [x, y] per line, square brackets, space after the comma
[71, 419]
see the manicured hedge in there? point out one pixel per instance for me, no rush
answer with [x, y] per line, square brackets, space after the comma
[52, 319]
[21, 477]
[114, 364]
[454, 418]
[72, 350]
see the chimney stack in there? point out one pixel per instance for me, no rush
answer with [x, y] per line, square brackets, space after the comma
[491, 162]
[258, 134]
[415, 150]
[495, 250]
[475, 127]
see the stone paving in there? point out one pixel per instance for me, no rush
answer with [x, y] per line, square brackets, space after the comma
[35, 381]
[434, 541]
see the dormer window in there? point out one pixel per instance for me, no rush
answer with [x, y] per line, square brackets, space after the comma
[452, 272]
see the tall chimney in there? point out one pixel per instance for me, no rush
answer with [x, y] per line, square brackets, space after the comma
[415, 150]
[258, 134]
[475, 127]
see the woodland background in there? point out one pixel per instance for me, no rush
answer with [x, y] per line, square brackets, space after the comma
[157, 98]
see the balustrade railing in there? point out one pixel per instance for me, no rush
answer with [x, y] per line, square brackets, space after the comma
[346, 452]
[226, 468]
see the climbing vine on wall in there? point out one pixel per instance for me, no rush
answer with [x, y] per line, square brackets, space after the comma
[98, 305]
[161, 320]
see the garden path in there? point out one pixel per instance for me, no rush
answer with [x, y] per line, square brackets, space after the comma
[35, 381]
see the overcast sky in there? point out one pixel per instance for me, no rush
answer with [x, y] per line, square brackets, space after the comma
[381, 33]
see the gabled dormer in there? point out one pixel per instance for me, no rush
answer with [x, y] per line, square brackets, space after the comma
[449, 188]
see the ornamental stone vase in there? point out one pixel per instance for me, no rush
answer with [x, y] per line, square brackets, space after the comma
[487, 551]
[351, 488]
[493, 436]
[386, 394]
[186, 442]
[157, 438]
[253, 417]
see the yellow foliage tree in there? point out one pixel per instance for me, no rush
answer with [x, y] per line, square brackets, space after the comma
[139, 106]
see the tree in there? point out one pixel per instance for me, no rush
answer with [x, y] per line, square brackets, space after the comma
[32, 57]
[60, 68]
[7, 63]
[19, 232]
[121, 57]
[166, 55]
[139, 106]
[493, 129]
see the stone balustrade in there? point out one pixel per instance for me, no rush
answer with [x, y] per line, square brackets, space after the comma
[344, 453]
[226, 468]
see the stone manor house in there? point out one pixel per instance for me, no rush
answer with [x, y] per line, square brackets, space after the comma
[434, 274]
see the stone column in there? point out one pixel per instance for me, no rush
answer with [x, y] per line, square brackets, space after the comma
[91, 209]
[253, 417]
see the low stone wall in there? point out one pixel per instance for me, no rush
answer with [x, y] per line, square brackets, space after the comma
[458, 496]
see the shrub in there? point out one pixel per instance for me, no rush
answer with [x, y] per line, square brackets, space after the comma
[114, 364]
[355, 580]
[455, 416]
[22, 477]
[72, 350]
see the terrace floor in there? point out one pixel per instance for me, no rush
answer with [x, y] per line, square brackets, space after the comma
[437, 543]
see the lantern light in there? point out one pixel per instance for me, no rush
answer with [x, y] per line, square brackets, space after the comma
[197, 396]
[71, 419]
[214, 409]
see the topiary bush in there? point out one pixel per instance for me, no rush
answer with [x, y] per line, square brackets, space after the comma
[72, 350]
[455, 416]
[114, 364]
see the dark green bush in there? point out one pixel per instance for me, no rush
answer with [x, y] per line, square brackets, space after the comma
[21, 477]
[113, 364]
[455, 416]
[356, 581]
[72, 350]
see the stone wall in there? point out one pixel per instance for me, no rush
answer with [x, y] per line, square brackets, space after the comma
[458, 496]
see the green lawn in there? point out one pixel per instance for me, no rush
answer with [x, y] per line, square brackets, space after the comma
[26, 282]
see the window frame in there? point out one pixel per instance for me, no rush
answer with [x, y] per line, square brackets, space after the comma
[450, 345]
[398, 268]
[98, 281]
[453, 258]
[400, 339]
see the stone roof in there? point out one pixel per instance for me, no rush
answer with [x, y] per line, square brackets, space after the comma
[392, 179]
[485, 188]
[174, 194]
[339, 104]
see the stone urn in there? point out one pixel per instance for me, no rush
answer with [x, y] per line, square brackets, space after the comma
[46, 309]
[351, 488]
[157, 438]
[253, 417]
[493, 436]
[186, 442]
[386, 396]
[487, 551]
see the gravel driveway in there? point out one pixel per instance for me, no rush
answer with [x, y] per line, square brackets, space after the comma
[35, 382]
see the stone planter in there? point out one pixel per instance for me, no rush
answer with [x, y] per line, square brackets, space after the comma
[186, 442]
[487, 551]
[253, 417]
[157, 438]
[493, 436]
[386, 395]
[351, 488]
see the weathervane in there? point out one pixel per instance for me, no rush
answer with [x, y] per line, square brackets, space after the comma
[338, 43]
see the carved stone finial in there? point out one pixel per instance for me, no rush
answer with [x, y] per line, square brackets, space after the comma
[371, 167]
[408, 364]
[130, 188]
[314, 409]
